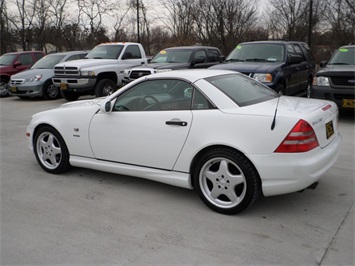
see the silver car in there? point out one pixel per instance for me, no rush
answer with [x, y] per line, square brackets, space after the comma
[37, 80]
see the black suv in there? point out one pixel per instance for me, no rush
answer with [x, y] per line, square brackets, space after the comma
[336, 80]
[181, 57]
[285, 66]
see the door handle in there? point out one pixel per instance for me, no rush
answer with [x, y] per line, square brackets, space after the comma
[177, 123]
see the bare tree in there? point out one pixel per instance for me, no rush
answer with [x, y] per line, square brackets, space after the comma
[224, 23]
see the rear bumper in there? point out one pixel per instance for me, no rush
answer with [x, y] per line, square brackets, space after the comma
[306, 168]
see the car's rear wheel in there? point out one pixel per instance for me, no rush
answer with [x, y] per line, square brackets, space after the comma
[226, 181]
[70, 95]
[51, 151]
[50, 91]
[105, 87]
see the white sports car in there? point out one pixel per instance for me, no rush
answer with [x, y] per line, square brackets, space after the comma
[219, 132]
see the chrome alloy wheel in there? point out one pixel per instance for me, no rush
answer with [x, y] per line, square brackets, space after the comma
[222, 182]
[49, 150]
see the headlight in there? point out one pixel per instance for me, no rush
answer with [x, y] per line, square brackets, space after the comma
[321, 81]
[263, 77]
[87, 73]
[162, 70]
[126, 72]
[34, 78]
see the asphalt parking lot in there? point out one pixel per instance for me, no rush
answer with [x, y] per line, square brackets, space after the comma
[85, 217]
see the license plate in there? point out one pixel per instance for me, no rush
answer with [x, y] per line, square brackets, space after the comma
[348, 103]
[63, 86]
[329, 129]
[13, 89]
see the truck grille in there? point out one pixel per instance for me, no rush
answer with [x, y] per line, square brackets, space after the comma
[66, 71]
[139, 73]
[343, 81]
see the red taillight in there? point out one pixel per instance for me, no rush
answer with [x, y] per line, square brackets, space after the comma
[301, 139]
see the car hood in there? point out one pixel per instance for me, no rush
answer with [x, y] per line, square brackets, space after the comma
[82, 103]
[336, 70]
[33, 72]
[81, 63]
[249, 67]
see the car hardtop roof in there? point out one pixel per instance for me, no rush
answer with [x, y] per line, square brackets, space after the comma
[347, 46]
[191, 47]
[191, 75]
[69, 53]
[25, 52]
[115, 43]
[273, 42]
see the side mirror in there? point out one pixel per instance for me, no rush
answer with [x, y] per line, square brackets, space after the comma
[295, 59]
[323, 63]
[106, 107]
[17, 63]
[221, 58]
[197, 60]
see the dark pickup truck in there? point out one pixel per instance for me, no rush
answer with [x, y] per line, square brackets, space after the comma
[174, 58]
[285, 66]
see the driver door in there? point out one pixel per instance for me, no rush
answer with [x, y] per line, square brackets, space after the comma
[148, 125]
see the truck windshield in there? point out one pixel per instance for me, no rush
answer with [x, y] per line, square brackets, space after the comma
[7, 59]
[257, 53]
[172, 56]
[344, 56]
[105, 52]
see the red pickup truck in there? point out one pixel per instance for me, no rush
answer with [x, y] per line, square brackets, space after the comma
[12, 63]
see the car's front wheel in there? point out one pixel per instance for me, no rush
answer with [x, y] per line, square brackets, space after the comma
[4, 90]
[50, 91]
[226, 181]
[105, 87]
[51, 151]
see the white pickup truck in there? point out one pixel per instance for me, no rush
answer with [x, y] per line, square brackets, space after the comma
[100, 73]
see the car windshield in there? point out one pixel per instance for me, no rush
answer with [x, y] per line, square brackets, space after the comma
[48, 62]
[105, 52]
[242, 90]
[258, 53]
[7, 59]
[344, 56]
[172, 56]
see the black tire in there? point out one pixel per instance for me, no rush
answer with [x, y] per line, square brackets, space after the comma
[50, 91]
[105, 87]
[226, 181]
[70, 95]
[308, 89]
[4, 88]
[51, 151]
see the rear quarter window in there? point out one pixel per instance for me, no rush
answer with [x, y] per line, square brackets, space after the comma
[242, 90]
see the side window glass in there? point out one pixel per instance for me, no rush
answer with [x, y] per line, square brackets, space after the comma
[200, 102]
[72, 57]
[298, 50]
[133, 52]
[25, 59]
[213, 55]
[200, 54]
[156, 95]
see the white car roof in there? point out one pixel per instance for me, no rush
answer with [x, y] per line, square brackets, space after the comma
[191, 75]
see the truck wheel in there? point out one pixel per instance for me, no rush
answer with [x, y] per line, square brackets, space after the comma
[105, 87]
[50, 92]
[69, 95]
[4, 88]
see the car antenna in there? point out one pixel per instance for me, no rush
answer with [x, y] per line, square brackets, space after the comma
[274, 120]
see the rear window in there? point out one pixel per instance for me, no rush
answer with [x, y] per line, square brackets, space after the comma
[242, 90]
